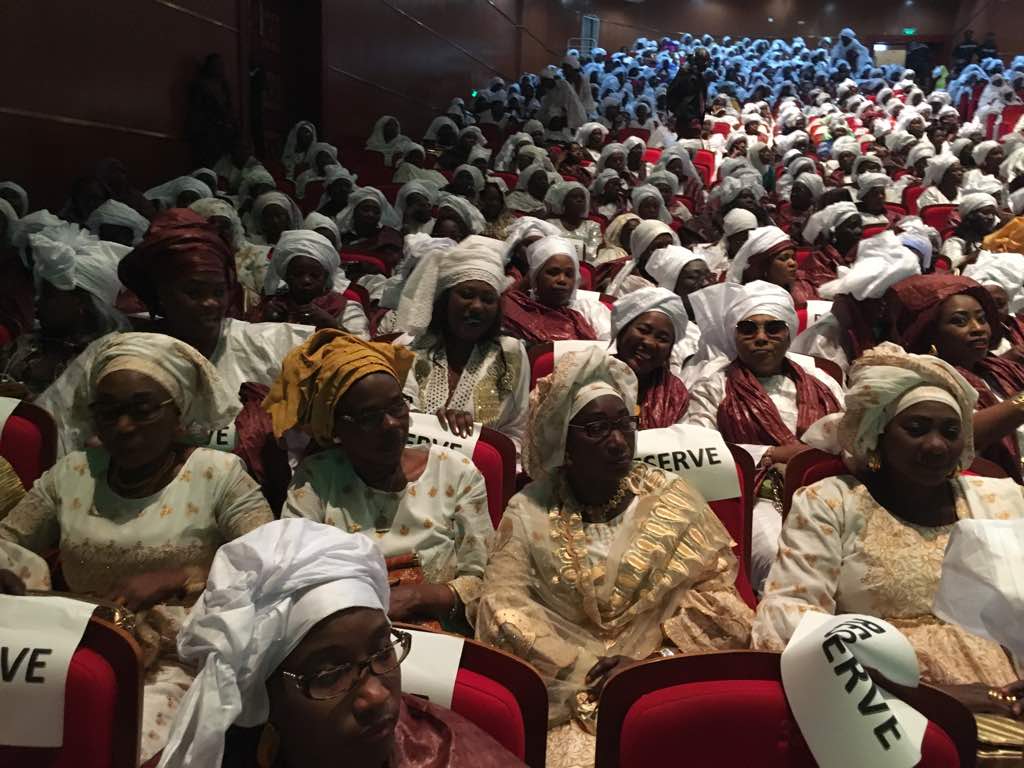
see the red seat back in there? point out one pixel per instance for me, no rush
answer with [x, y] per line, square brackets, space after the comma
[939, 216]
[737, 517]
[495, 457]
[652, 155]
[693, 705]
[643, 133]
[1010, 117]
[586, 276]
[910, 195]
[356, 292]
[492, 133]
[721, 127]
[102, 706]
[542, 361]
[390, 191]
[29, 442]
[874, 229]
[896, 208]
[368, 265]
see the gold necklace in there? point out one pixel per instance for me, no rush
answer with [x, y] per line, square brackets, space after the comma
[599, 513]
[129, 489]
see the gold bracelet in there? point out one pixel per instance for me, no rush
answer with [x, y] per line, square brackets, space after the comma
[1017, 401]
[997, 695]
[453, 614]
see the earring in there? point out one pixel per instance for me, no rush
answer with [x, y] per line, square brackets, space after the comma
[954, 472]
[270, 742]
[933, 351]
[874, 460]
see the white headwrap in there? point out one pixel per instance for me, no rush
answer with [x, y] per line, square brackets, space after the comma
[615, 148]
[591, 372]
[415, 187]
[19, 190]
[813, 182]
[300, 242]
[601, 181]
[265, 591]
[524, 227]
[759, 241]
[629, 307]
[717, 309]
[472, 170]
[882, 261]
[825, 221]
[975, 201]
[435, 126]
[167, 194]
[315, 221]
[868, 181]
[377, 142]
[1017, 202]
[331, 174]
[202, 397]
[208, 207]
[738, 220]
[388, 216]
[475, 258]
[556, 194]
[274, 198]
[415, 247]
[645, 234]
[7, 211]
[68, 257]
[118, 214]
[465, 210]
[665, 264]
[542, 251]
[1005, 270]
[981, 151]
[645, 191]
[937, 167]
[290, 157]
[877, 384]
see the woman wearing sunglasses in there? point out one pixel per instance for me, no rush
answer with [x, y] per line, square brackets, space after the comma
[294, 649]
[601, 560]
[755, 395]
[138, 521]
[425, 508]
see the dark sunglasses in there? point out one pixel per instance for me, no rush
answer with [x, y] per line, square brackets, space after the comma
[770, 328]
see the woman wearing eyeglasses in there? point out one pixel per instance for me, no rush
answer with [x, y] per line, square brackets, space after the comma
[292, 644]
[755, 395]
[425, 508]
[138, 521]
[601, 560]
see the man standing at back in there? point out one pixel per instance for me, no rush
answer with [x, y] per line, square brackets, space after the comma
[965, 52]
[687, 96]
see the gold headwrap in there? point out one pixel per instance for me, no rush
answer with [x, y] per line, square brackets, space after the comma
[315, 375]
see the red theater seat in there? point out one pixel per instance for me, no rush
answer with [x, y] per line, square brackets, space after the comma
[29, 442]
[737, 517]
[910, 195]
[941, 217]
[495, 457]
[729, 710]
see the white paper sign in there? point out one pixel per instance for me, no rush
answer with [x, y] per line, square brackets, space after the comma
[7, 406]
[982, 583]
[425, 428]
[845, 718]
[697, 454]
[816, 309]
[224, 439]
[38, 637]
[431, 667]
[577, 345]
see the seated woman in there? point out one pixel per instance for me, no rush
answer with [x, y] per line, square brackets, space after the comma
[615, 246]
[1002, 275]
[631, 274]
[250, 258]
[871, 194]
[549, 307]
[338, 185]
[572, 586]
[465, 370]
[178, 193]
[614, 156]
[792, 217]
[770, 255]
[531, 189]
[636, 168]
[505, 162]
[568, 204]
[467, 181]
[759, 398]
[495, 209]
[116, 222]
[872, 541]
[591, 136]
[457, 218]
[979, 217]
[834, 232]
[668, 185]
[608, 194]
[138, 520]
[942, 181]
[257, 181]
[441, 134]
[683, 272]
[956, 320]
[524, 232]
[386, 137]
[649, 204]
[421, 506]
[737, 225]
[272, 214]
[296, 144]
[76, 275]
[409, 159]
[323, 226]
[184, 273]
[301, 287]
[452, 158]
[320, 157]
[327, 681]
[414, 207]
[369, 225]
[646, 325]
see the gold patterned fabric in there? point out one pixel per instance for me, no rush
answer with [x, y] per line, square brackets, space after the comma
[11, 489]
[667, 578]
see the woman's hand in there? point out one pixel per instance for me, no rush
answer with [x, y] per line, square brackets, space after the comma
[144, 590]
[975, 696]
[782, 454]
[604, 669]
[417, 601]
[318, 317]
[459, 423]
[10, 584]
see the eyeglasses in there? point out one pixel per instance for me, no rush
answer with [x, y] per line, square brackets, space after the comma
[374, 420]
[599, 430]
[770, 328]
[337, 681]
[139, 411]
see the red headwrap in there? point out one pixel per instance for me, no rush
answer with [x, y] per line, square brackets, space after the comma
[915, 303]
[179, 242]
[757, 266]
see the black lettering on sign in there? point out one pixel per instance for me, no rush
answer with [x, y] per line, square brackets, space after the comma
[836, 642]
[221, 437]
[679, 460]
[865, 707]
[891, 726]
[652, 460]
[421, 439]
[669, 461]
[10, 664]
[35, 664]
[713, 456]
[854, 670]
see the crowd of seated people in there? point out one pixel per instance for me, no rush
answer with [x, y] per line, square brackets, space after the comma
[835, 262]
